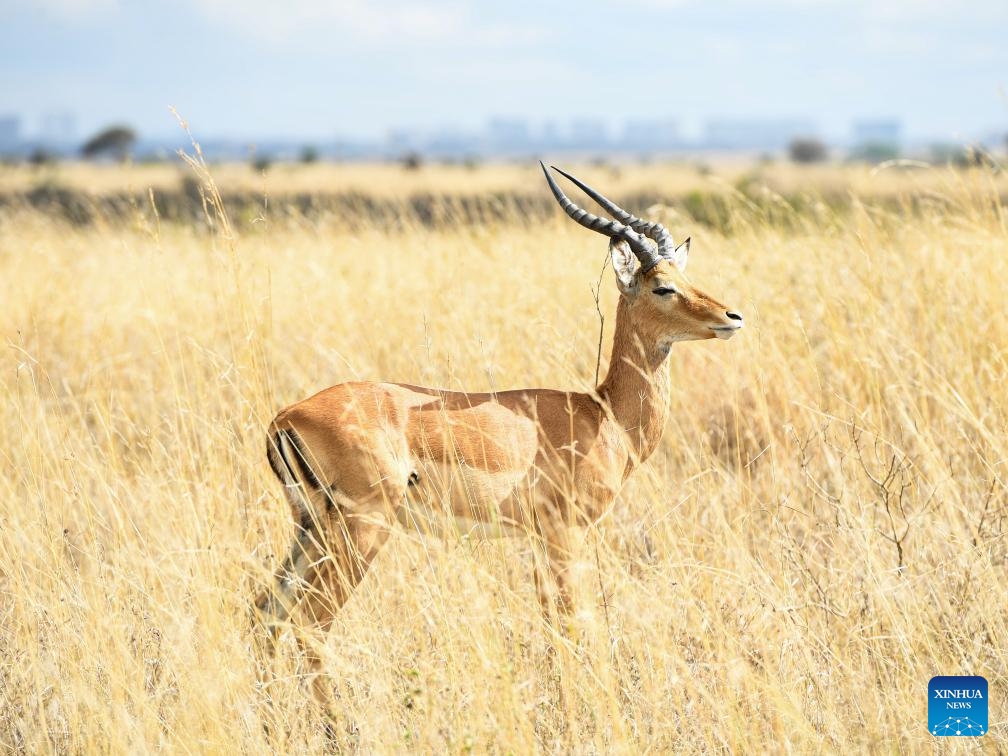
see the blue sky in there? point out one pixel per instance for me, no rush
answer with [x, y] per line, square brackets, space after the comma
[303, 69]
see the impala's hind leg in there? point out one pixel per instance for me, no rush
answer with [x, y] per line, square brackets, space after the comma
[328, 558]
[276, 604]
[344, 512]
[309, 502]
[350, 541]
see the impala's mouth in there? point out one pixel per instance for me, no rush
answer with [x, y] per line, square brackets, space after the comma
[726, 331]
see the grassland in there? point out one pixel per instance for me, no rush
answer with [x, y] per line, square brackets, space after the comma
[829, 505]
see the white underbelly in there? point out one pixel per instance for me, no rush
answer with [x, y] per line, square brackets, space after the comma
[465, 501]
[442, 526]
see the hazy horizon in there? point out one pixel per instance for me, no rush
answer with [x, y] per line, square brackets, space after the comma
[304, 70]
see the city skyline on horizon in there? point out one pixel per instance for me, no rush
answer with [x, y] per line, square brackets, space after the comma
[509, 137]
[359, 70]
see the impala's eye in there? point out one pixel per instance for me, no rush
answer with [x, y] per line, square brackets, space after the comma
[663, 291]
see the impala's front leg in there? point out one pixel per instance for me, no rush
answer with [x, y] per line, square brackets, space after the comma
[552, 572]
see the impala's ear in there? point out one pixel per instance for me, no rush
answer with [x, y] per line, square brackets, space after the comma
[678, 257]
[625, 264]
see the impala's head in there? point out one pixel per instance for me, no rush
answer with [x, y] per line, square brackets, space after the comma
[651, 274]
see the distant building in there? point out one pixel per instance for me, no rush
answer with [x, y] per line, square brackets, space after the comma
[508, 133]
[755, 133]
[450, 142]
[588, 134]
[887, 132]
[550, 136]
[403, 140]
[651, 135]
[10, 132]
[59, 129]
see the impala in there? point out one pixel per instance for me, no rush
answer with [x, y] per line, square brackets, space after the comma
[358, 457]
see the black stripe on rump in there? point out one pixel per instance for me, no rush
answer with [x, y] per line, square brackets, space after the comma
[290, 468]
[302, 460]
[285, 474]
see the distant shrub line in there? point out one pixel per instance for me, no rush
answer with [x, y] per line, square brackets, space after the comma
[723, 212]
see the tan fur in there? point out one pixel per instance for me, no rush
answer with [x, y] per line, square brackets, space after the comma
[537, 461]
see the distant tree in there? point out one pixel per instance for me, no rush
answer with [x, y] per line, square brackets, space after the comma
[41, 156]
[412, 161]
[806, 150]
[309, 154]
[261, 163]
[114, 141]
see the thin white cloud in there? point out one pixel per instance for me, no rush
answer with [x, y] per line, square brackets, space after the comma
[893, 10]
[364, 21]
[64, 9]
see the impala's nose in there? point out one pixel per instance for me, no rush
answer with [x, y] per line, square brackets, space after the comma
[730, 327]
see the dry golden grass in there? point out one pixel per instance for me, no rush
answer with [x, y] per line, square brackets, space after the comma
[828, 505]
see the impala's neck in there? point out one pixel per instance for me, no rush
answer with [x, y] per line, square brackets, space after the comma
[636, 388]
